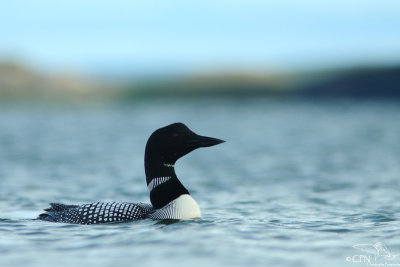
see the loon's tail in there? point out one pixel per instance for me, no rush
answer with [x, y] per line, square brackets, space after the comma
[54, 207]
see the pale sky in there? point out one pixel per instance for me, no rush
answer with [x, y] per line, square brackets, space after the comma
[161, 36]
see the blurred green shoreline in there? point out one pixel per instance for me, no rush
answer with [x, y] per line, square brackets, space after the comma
[20, 83]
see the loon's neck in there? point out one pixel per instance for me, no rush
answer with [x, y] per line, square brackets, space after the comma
[162, 182]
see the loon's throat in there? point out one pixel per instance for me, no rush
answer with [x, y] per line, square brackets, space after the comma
[155, 168]
[162, 182]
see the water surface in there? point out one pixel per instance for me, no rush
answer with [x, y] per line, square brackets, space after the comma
[297, 183]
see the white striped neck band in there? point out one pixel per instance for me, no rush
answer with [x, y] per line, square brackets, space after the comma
[157, 181]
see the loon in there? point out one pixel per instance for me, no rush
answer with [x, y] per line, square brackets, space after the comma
[169, 198]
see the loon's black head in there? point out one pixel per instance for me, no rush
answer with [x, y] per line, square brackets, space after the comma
[171, 142]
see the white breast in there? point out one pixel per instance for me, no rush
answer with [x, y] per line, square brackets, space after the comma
[182, 208]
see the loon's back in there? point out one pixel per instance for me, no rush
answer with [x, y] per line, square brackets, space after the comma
[94, 213]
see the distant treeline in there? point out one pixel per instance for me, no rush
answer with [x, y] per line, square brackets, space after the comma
[19, 82]
[364, 83]
[354, 83]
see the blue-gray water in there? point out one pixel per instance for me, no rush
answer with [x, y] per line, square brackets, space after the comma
[296, 184]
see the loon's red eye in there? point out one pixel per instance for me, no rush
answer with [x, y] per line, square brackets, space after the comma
[175, 136]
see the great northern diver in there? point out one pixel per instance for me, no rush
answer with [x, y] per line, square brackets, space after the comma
[169, 198]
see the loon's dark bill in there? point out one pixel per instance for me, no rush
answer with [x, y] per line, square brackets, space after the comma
[204, 141]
